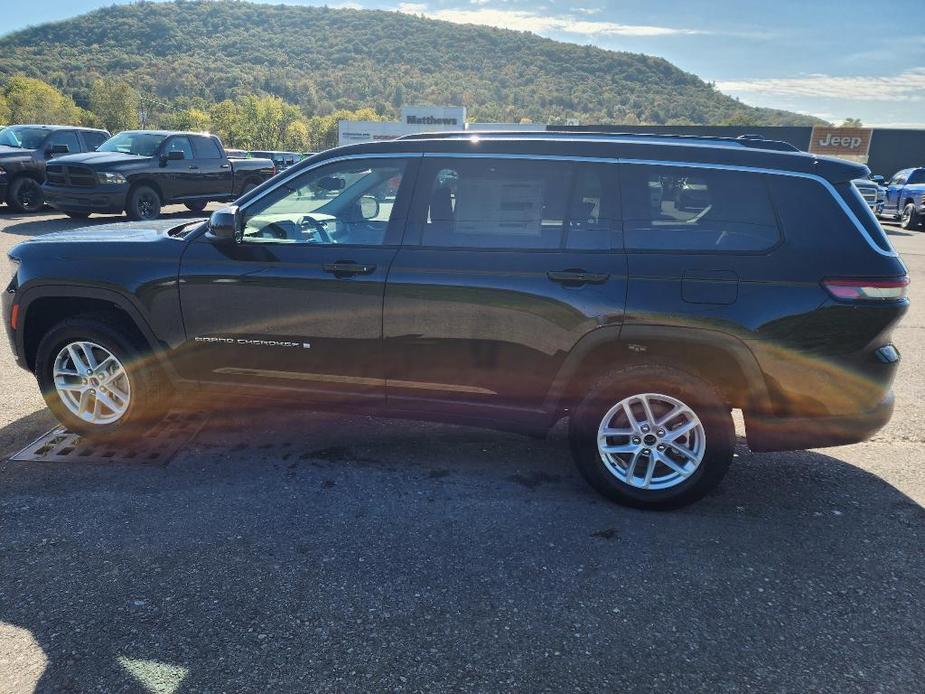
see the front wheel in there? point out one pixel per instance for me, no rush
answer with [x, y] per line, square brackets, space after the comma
[197, 206]
[96, 380]
[143, 204]
[910, 218]
[25, 195]
[652, 437]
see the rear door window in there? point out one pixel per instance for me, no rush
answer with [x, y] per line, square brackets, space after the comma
[206, 148]
[493, 203]
[669, 208]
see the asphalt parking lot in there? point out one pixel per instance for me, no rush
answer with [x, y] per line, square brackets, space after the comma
[304, 552]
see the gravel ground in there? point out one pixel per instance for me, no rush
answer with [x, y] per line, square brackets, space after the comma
[302, 552]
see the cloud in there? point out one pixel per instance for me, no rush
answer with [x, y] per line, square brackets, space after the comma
[908, 85]
[521, 20]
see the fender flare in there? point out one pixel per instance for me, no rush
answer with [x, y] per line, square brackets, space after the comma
[636, 344]
[30, 293]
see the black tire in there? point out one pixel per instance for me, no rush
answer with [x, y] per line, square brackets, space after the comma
[143, 204]
[700, 396]
[148, 399]
[25, 195]
[910, 218]
[198, 206]
[77, 215]
[248, 187]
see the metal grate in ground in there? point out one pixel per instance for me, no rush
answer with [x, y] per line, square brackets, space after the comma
[156, 447]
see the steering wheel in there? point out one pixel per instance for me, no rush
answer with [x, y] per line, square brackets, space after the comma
[272, 230]
[309, 223]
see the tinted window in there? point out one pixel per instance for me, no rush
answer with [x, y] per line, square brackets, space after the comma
[493, 203]
[179, 144]
[206, 148]
[94, 139]
[917, 176]
[861, 210]
[694, 209]
[594, 208]
[65, 137]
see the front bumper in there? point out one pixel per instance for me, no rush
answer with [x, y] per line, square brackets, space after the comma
[105, 198]
[799, 433]
[3, 188]
[8, 299]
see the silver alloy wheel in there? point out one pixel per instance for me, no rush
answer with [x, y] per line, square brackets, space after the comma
[651, 441]
[92, 383]
[906, 216]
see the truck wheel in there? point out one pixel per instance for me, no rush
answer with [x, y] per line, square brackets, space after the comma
[143, 204]
[652, 437]
[910, 217]
[248, 187]
[96, 381]
[196, 206]
[25, 195]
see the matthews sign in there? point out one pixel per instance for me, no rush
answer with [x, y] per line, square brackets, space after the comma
[841, 141]
[435, 117]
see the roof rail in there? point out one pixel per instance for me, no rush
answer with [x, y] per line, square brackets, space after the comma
[750, 141]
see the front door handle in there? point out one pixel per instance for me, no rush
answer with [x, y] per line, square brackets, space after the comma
[576, 277]
[346, 268]
[193, 166]
[226, 166]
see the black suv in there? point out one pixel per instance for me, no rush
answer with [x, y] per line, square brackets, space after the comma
[24, 150]
[643, 286]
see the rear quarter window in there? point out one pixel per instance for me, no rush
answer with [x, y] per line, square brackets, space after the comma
[693, 209]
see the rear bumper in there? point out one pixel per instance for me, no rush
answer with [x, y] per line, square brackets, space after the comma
[798, 433]
[109, 199]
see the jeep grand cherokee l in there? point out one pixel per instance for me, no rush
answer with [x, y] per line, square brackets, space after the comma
[505, 281]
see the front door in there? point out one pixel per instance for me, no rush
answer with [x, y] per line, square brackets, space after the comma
[891, 200]
[507, 264]
[297, 303]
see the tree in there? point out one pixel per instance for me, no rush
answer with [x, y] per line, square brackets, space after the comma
[33, 101]
[4, 110]
[852, 123]
[227, 123]
[267, 118]
[297, 136]
[192, 119]
[116, 105]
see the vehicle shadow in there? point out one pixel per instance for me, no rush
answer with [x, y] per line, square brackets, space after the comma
[35, 225]
[295, 552]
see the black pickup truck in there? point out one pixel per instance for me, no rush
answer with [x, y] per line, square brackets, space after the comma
[138, 171]
[24, 151]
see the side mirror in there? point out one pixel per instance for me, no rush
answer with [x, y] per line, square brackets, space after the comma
[877, 179]
[225, 223]
[59, 149]
[369, 207]
[331, 183]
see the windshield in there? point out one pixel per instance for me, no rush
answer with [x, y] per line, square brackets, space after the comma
[23, 137]
[139, 144]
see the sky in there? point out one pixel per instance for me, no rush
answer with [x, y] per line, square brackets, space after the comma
[834, 59]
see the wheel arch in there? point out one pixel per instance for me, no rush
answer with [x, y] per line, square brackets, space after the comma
[44, 306]
[718, 358]
[134, 185]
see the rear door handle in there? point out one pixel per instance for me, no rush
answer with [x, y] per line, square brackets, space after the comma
[575, 277]
[226, 166]
[346, 267]
[193, 166]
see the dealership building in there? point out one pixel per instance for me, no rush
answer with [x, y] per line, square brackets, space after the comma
[884, 150]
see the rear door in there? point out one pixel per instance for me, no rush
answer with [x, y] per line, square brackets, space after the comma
[507, 264]
[213, 179]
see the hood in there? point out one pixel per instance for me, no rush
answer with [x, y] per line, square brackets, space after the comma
[14, 152]
[122, 232]
[99, 159]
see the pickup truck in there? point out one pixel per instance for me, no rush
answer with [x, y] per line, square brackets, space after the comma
[139, 171]
[905, 198]
[24, 151]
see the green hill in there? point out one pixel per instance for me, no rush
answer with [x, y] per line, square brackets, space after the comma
[325, 59]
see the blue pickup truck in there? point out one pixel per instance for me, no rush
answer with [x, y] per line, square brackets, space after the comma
[905, 198]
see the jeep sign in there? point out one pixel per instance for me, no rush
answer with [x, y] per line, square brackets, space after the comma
[840, 141]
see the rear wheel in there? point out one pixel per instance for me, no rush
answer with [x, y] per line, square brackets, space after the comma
[198, 206]
[910, 218]
[143, 204]
[652, 437]
[25, 195]
[96, 380]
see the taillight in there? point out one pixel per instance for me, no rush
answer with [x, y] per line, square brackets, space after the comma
[868, 289]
